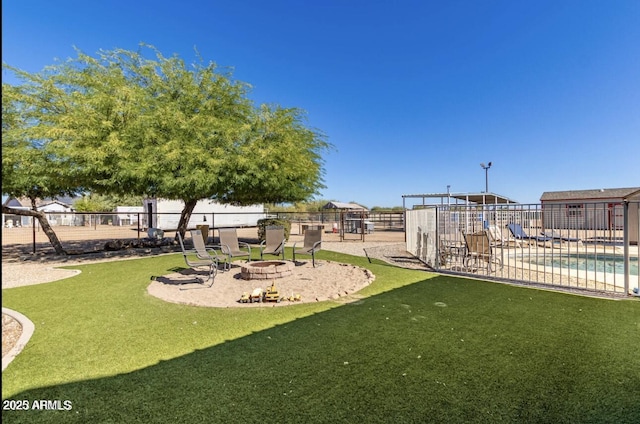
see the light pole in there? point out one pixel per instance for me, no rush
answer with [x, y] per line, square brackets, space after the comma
[486, 176]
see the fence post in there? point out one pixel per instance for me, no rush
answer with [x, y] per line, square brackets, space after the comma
[625, 240]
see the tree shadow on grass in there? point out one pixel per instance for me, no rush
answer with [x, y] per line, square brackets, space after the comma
[437, 350]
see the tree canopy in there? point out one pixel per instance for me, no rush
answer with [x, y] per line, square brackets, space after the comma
[138, 123]
[28, 167]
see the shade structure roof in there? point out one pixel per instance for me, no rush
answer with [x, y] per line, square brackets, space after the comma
[466, 198]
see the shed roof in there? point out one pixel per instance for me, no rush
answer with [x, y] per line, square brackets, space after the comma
[594, 194]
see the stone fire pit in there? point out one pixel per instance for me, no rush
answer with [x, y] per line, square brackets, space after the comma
[265, 270]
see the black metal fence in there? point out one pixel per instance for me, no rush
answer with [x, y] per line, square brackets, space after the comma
[90, 231]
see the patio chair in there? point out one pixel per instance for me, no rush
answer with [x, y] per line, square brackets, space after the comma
[519, 234]
[452, 248]
[274, 242]
[230, 246]
[312, 244]
[203, 251]
[479, 249]
[199, 259]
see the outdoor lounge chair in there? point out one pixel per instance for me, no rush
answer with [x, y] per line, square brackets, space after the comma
[605, 241]
[495, 235]
[199, 258]
[274, 242]
[498, 239]
[230, 246]
[479, 250]
[312, 244]
[519, 234]
[557, 236]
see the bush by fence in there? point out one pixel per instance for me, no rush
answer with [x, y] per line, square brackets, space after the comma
[267, 222]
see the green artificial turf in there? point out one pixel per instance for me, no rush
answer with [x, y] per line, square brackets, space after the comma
[416, 348]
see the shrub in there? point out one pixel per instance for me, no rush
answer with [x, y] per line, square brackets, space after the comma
[266, 222]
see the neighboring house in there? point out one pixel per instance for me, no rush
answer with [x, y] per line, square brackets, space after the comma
[58, 211]
[10, 220]
[600, 209]
[165, 214]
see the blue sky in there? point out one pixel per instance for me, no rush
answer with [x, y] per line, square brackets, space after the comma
[414, 95]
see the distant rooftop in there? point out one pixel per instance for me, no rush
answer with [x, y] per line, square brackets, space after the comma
[342, 205]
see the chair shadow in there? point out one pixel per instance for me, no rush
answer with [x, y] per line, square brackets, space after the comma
[180, 276]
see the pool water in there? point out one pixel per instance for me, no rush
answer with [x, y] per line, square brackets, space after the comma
[589, 262]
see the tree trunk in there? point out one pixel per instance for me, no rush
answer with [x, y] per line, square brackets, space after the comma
[44, 223]
[185, 216]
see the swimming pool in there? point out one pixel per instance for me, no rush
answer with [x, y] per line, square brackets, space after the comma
[588, 262]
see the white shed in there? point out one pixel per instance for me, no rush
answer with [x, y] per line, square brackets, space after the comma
[165, 214]
[129, 215]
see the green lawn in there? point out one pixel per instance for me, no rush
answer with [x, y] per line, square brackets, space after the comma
[417, 348]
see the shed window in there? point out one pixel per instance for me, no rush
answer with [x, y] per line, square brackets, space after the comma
[574, 210]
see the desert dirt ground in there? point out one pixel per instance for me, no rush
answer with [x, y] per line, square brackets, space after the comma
[21, 266]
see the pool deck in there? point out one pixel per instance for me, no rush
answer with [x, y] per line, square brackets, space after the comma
[516, 267]
[608, 281]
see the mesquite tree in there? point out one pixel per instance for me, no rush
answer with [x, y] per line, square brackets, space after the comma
[123, 123]
[28, 168]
